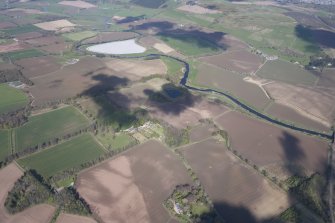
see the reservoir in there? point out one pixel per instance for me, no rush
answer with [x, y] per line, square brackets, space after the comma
[118, 47]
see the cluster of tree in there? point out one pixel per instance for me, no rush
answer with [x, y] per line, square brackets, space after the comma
[175, 137]
[309, 191]
[321, 62]
[32, 189]
[11, 75]
[14, 119]
[27, 191]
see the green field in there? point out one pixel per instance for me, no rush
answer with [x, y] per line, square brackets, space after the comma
[190, 45]
[115, 142]
[47, 126]
[287, 72]
[22, 29]
[5, 144]
[17, 55]
[11, 99]
[79, 35]
[64, 156]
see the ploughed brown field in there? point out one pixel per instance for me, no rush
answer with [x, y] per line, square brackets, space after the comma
[12, 47]
[238, 193]
[7, 25]
[36, 66]
[280, 151]
[29, 35]
[133, 186]
[90, 75]
[315, 103]
[283, 112]
[239, 61]
[37, 214]
[109, 37]
[70, 218]
[45, 40]
[224, 80]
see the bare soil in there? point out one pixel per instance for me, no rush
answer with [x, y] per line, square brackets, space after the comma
[239, 61]
[198, 9]
[36, 66]
[29, 35]
[78, 4]
[12, 47]
[238, 193]
[280, 151]
[70, 218]
[45, 40]
[55, 25]
[133, 186]
[6, 25]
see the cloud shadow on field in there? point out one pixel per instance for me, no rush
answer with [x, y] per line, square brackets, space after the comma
[293, 153]
[192, 35]
[171, 99]
[321, 37]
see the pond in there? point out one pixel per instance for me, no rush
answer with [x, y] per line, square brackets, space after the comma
[117, 47]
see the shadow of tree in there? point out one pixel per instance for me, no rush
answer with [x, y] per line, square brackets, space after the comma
[321, 37]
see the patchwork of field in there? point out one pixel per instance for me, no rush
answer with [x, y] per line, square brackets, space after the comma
[36, 66]
[37, 214]
[314, 103]
[91, 75]
[5, 148]
[56, 25]
[281, 152]
[287, 72]
[238, 193]
[64, 156]
[78, 4]
[239, 61]
[133, 186]
[70, 218]
[48, 126]
[11, 99]
[232, 83]
[110, 37]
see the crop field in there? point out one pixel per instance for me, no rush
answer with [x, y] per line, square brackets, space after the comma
[283, 112]
[202, 131]
[327, 78]
[5, 147]
[22, 29]
[231, 186]
[190, 45]
[37, 214]
[198, 9]
[58, 48]
[149, 3]
[79, 35]
[48, 126]
[36, 66]
[11, 47]
[69, 81]
[64, 156]
[133, 186]
[314, 103]
[29, 35]
[7, 25]
[286, 72]
[239, 61]
[17, 55]
[45, 40]
[280, 151]
[115, 142]
[110, 37]
[227, 81]
[11, 99]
